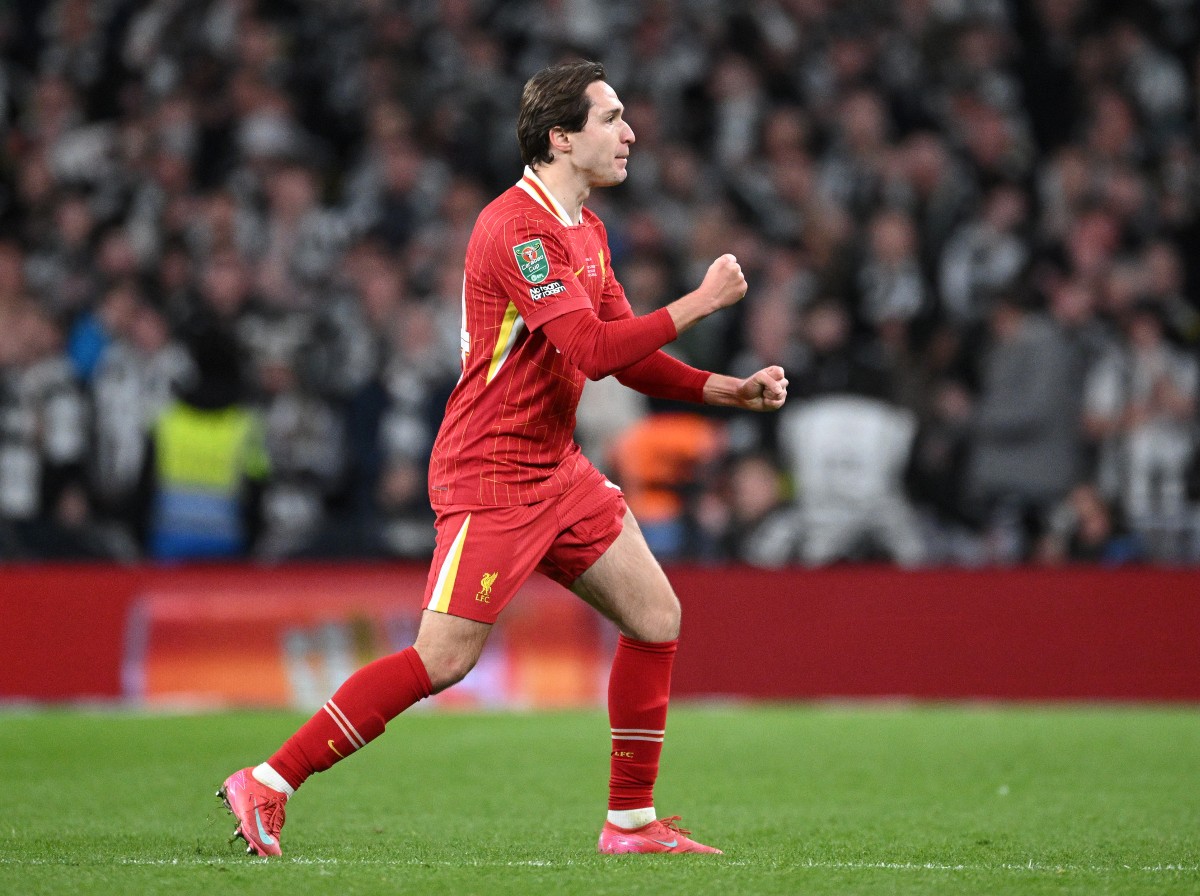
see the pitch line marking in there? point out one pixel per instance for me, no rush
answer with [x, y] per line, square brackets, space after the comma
[811, 864]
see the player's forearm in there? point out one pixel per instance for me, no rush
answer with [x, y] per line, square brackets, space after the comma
[661, 376]
[601, 348]
[722, 391]
[692, 308]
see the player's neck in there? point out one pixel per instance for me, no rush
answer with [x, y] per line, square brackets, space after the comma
[566, 186]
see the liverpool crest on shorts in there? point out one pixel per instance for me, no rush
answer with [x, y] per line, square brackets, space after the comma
[484, 594]
[531, 259]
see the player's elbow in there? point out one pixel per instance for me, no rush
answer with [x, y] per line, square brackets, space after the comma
[588, 356]
[594, 370]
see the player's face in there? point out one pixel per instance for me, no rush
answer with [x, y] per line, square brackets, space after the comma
[601, 150]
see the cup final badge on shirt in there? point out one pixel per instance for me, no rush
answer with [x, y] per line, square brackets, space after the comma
[532, 261]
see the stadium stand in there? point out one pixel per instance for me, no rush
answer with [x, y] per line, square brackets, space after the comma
[1000, 198]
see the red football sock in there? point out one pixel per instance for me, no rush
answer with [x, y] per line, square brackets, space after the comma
[638, 690]
[355, 715]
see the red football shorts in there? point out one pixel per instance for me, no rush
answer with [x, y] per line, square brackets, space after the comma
[485, 554]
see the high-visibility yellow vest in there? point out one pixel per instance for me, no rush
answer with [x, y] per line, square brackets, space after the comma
[202, 459]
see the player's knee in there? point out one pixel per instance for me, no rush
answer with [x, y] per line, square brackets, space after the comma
[449, 647]
[446, 670]
[446, 662]
[660, 622]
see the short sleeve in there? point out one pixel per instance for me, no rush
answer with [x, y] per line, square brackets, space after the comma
[534, 272]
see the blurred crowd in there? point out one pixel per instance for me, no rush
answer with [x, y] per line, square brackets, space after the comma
[232, 235]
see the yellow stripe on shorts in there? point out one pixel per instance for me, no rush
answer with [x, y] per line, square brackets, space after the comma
[439, 601]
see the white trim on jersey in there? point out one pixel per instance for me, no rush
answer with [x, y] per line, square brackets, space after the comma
[510, 331]
[464, 335]
[543, 197]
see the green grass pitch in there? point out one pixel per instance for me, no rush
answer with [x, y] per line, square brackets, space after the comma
[818, 799]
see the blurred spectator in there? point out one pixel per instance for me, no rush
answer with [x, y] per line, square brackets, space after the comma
[303, 239]
[61, 269]
[658, 462]
[15, 299]
[1026, 444]
[1085, 528]
[605, 411]
[986, 255]
[390, 424]
[207, 463]
[936, 477]
[752, 520]
[993, 138]
[738, 104]
[135, 379]
[1141, 407]
[1048, 33]
[1065, 187]
[833, 360]
[778, 183]
[304, 442]
[1073, 312]
[847, 455]
[713, 232]
[935, 189]
[1153, 77]
[772, 334]
[159, 205]
[1165, 284]
[891, 285]
[417, 378]
[44, 510]
[95, 330]
[855, 166]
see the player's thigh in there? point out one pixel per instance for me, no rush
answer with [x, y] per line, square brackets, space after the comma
[481, 559]
[628, 586]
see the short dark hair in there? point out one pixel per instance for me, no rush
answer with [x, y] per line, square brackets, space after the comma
[556, 97]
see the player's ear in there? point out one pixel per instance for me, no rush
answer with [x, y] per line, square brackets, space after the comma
[560, 140]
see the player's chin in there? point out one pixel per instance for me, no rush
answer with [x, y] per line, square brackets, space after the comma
[608, 179]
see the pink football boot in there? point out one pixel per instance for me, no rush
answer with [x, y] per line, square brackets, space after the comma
[258, 810]
[663, 835]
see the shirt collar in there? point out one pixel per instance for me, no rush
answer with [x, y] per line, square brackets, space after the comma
[532, 184]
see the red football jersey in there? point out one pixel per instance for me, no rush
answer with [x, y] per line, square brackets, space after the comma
[508, 433]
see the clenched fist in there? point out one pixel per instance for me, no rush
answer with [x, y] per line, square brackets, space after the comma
[723, 285]
[765, 390]
[724, 282]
